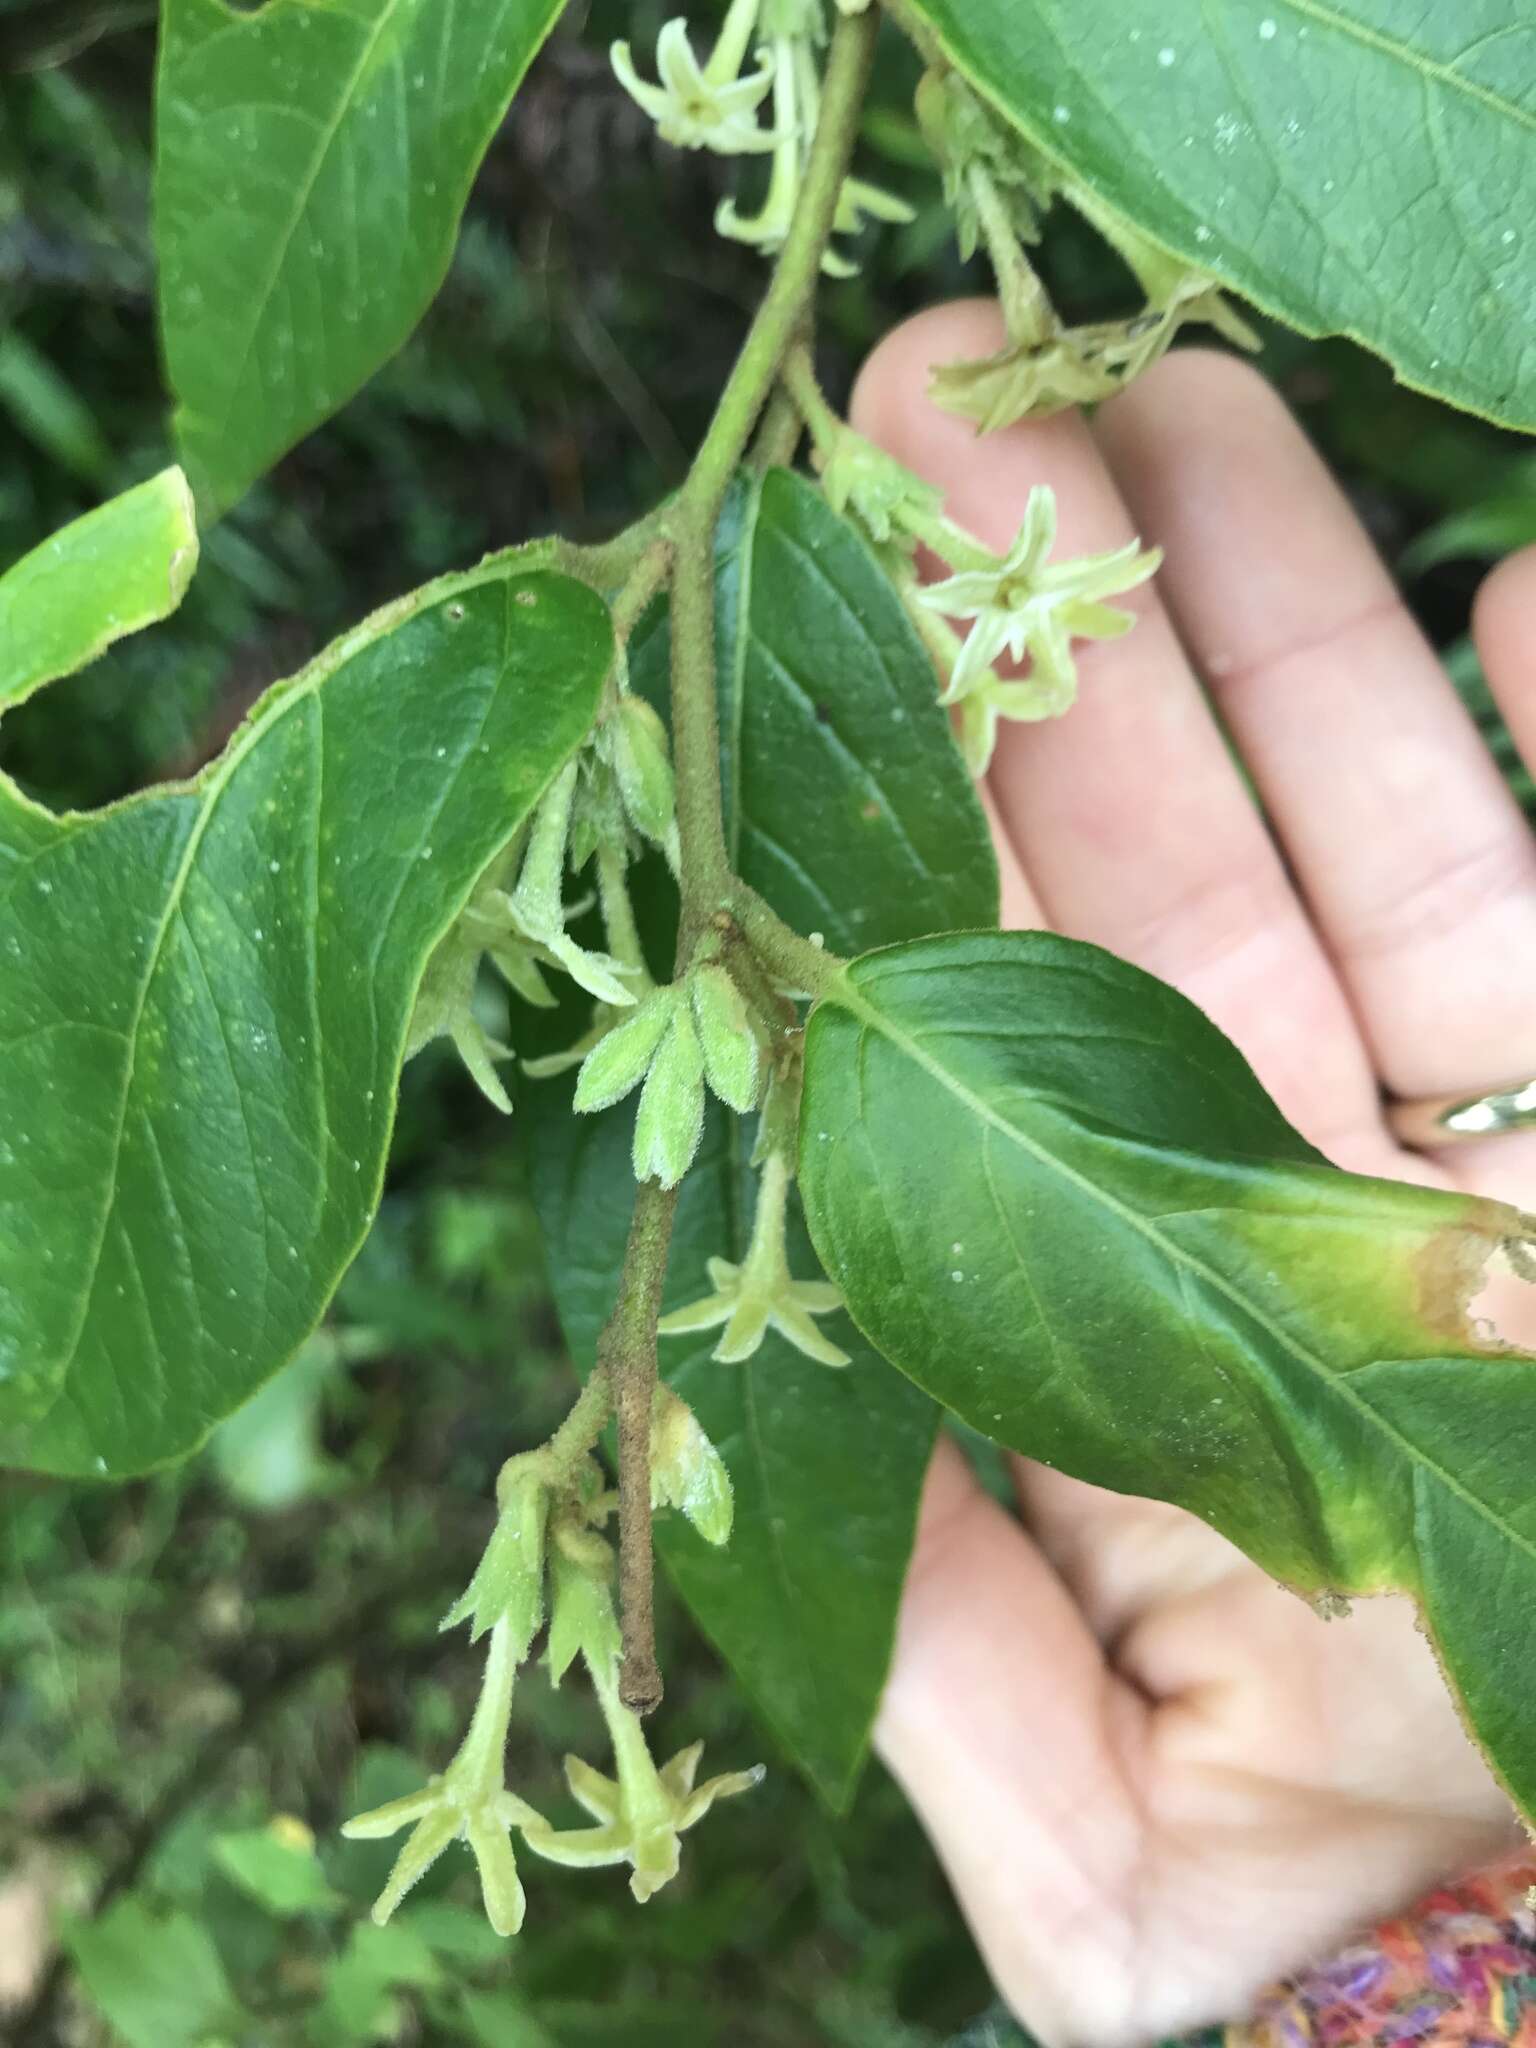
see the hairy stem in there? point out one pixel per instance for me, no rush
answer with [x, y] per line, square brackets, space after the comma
[627, 1349]
[577, 1436]
[798, 963]
[696, 512]
[626, 1352]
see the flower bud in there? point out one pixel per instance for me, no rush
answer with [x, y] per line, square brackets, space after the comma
[509, 1583]
[582, 1622]
[622, 1058]
[670, 1122]
[726, 1038]
[687, 1472]
[644, 771]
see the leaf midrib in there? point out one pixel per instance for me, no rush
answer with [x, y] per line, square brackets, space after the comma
[873, 1019]
[746, 563]
[304, 193]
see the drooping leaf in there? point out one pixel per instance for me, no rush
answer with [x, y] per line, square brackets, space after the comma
[848, 806]
[113, 572]
[205, 1000]
[311, 164]
[1351, 166]
[1057, 1197]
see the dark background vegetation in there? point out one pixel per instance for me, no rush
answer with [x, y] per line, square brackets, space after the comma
[185, 1661]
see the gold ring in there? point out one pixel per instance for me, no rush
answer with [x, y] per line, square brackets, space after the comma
[1458, 1119]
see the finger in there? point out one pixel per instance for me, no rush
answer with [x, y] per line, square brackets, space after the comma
[1504, 629]
[1128, 815]
[1416, 860]
[1504, 626]
[1016, 1746]
[1018, 905]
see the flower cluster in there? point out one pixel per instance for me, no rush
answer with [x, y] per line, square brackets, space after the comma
[681, 1037]
[606, 805]
[996, 186]
[548, 1534]
[766, 56]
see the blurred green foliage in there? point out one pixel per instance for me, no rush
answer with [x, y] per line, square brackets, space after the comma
[197, 1670]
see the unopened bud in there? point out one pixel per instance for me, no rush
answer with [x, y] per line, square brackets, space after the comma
[687, 1472]
[509, 1583]
[670, 1122]
[644, 771]
[622, 1058]
[726, 1038]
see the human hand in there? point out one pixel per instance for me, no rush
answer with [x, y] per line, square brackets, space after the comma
[1156, 1778]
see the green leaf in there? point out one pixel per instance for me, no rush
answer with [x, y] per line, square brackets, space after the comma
[157, 1981]
[1351, 166]
[312, 161]
[1493, 527]
[49, 411]
[119, 569]
[846, 804]
[375, 1962]
[849, 807]
[1057, 1197]
[283, 1876]
[205, 1000]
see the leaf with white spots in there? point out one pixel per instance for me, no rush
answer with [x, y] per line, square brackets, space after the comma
[204, 1002]
[1059, 1199]
[1356, 167]
[312, 161]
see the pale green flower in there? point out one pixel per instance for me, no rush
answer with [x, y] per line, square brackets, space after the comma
[759, 1295]
[468, 1802]
[702, 106]
[639, 1812]
[1028, 608]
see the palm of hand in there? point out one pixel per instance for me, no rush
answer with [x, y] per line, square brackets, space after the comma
[1157, 1779]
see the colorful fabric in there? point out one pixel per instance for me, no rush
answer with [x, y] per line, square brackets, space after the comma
[1460, 1968]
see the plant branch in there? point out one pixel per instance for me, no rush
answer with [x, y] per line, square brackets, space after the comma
[798, 963]
[626, 1352]
[627, 1349]
[780, 320]
[799, 264]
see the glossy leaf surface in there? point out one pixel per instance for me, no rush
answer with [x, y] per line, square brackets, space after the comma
[1057, 1197]
[116, 570]
[833, 746]
[205, 1000]
[1351, 166]
[312, 160]
[847, 805]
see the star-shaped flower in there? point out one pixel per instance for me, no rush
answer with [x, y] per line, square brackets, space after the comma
[759, 1295]
[1026, 607]
[468, 1802]
[699, 106]
[641, 1812]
